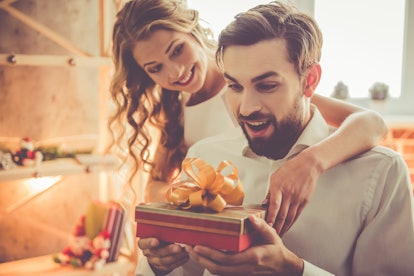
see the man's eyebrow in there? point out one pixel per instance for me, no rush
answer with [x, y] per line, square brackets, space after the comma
[227, 76]
[265, 75]
[166, 51]
[255, 79]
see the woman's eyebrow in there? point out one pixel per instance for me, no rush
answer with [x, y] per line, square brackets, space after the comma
[166, 51]
[169, 46]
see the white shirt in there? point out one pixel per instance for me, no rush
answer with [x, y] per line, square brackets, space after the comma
[360, 219]
[207, 119]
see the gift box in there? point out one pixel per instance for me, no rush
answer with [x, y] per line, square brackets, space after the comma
[229, 229]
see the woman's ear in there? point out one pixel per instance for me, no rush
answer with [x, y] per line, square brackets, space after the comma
[312, 79]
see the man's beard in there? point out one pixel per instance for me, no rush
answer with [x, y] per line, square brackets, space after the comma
[284, 136]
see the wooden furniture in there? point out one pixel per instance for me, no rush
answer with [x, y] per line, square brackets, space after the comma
[44, 266]
[400, 137]
[50, 174]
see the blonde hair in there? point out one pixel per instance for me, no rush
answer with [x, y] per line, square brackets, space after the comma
[138, 100]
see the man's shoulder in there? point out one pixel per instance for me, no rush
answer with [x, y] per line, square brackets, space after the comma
[382, 153]
[378, 156]
[232, 136]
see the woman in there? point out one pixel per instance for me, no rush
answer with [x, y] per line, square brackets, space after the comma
[166, 81]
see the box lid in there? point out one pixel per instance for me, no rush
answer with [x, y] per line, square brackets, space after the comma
[233, 220]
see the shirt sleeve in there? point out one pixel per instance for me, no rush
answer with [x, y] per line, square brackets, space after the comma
[386, 243]
[312, 270]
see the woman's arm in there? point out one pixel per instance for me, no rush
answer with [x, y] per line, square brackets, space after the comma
[292, 185]
[359, 129]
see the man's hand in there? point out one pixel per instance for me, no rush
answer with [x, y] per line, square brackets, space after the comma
[267, 257]
[291, 187]
[162, 257]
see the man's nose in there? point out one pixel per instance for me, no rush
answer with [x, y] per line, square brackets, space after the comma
[250, 103]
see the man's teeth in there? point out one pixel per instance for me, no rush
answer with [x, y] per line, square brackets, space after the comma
[257, 123]
[186, 78]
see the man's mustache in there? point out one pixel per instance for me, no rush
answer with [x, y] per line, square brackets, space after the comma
[256, 116]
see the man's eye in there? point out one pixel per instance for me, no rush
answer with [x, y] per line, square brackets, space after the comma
[178, 50]
[235, 87]
[155, 69]
[266, 86]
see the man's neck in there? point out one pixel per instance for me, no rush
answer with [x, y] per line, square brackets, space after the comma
[282, 152]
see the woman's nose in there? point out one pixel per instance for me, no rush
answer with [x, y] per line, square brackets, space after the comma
[175, 71]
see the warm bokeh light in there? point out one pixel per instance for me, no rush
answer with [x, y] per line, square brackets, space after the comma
[39, 184]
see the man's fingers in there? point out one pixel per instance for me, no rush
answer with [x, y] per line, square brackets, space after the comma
[170, 261]
[292, 217]
[264, 233]
[148, 243]
[199, 251]
[266, 200]
[274, 204]
[282, 215]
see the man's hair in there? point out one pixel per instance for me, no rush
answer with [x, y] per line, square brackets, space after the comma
[275, 21]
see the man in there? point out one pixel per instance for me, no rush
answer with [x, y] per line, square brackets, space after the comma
[360, 220]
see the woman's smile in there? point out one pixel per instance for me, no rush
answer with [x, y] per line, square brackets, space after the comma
[187, 78]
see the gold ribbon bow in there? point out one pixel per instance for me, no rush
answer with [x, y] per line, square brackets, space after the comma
[206, 187]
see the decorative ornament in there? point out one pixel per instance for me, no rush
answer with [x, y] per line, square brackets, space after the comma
[83, 252]
[27, 155]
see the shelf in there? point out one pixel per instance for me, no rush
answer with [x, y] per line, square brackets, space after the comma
[44, 265]
[62, 166]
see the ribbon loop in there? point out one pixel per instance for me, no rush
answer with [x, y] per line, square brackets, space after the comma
[206, 187]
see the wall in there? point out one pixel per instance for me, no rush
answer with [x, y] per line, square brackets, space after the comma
[35, 224]
[48, 103]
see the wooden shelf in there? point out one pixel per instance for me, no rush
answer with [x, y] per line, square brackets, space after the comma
[61, 166]
[44, 265]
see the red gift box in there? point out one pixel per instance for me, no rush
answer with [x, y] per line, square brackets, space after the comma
[227, 230]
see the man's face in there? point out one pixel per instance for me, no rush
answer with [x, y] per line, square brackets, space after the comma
[265, 94]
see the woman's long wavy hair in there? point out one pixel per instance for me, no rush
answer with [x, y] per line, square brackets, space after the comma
[138, 100]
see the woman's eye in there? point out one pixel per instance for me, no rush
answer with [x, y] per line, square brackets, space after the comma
[155, 69]
[178, 50]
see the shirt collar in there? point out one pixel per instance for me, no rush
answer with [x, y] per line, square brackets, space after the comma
[316, 130]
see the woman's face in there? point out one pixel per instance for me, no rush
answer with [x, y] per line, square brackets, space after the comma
[173, 60]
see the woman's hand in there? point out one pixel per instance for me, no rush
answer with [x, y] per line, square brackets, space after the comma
[291, 187]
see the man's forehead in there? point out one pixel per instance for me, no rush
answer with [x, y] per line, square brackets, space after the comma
[264, 56]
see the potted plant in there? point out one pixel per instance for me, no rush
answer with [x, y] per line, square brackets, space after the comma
[340, 91]
[379, 91]
[379, 94]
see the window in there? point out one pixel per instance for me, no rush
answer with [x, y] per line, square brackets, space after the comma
[363, 40]
[363, 44]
